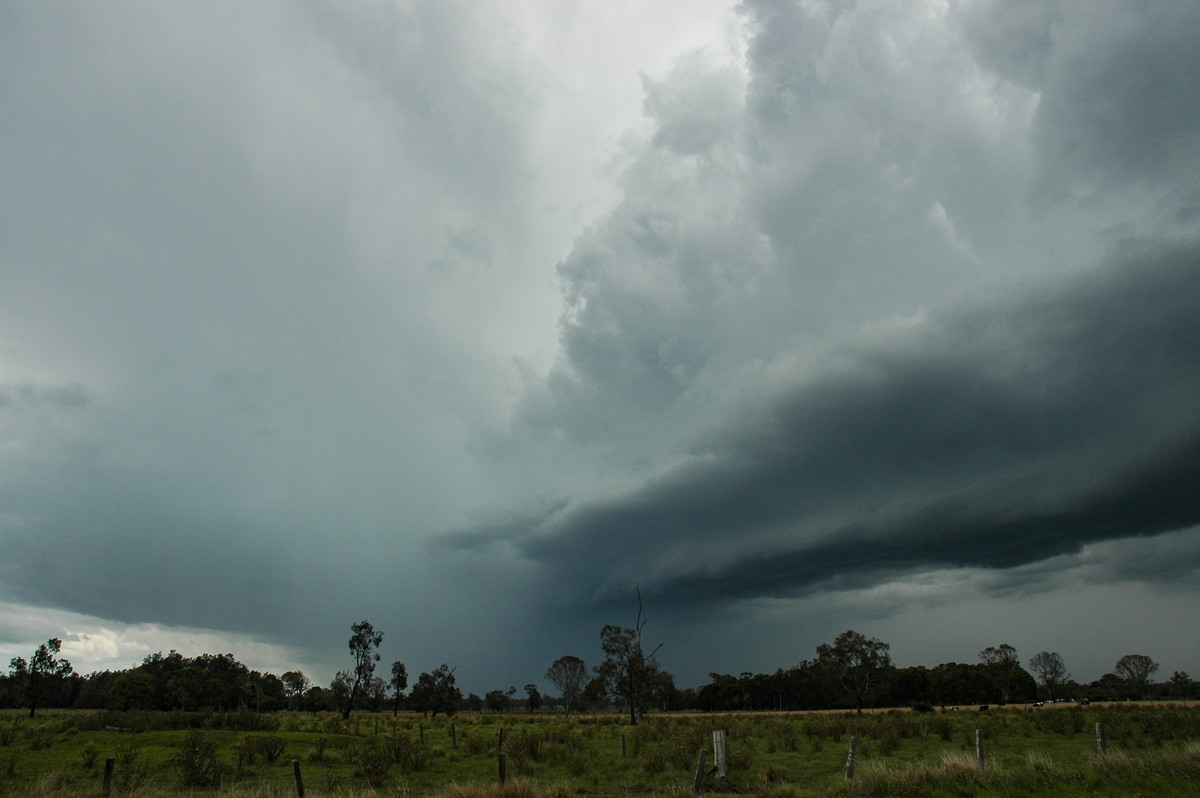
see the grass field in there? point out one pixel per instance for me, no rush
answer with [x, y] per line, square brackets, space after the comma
[1152, 751]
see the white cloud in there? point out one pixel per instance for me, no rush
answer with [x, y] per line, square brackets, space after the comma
[96, 644]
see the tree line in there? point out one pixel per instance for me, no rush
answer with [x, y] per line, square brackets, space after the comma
[852, 672]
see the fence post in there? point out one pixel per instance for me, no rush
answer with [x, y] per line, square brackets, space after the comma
[108, 771]
[719, 752]
[503, 767]
[850, 757]
[979, 748]
[1101, 744]
[698, 788]
[453, 736]
[299, 778]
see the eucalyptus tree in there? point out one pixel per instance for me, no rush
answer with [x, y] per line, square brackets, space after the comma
[1050, 670]
[1003, 667]
[364, 641]
[627, 671]
[295, 684]
[1135, 671]
[436, 692]
[857, 663]
[399, 682]
[569, 674]
[43, 666]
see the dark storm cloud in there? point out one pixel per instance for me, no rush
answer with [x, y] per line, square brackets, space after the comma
[118, 557]
[729, 302]
[994, 437]
[1119, 97]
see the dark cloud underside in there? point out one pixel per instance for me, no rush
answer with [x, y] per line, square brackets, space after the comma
[994, 438]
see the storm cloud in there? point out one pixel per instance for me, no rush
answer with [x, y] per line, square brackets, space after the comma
[473, 318]
[993, 437]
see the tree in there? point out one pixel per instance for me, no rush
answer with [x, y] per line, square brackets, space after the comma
[363, 642]
[435, 692]
[1050, 670]
[295, 683]
[342, 689]
[1003, 667]
[166, 672]
[213, 681]
[43, 666]
[497, 700]
[627, 671]
[1135, 671]
[377, 692]
[1182, 685]
[270, 694]
[569, 674]
[399, 682]
[595, 694]
[534, 701]
[856, 662]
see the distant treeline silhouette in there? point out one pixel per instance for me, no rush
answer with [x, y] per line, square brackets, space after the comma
[844, 675]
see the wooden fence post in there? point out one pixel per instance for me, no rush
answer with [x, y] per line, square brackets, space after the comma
[850, 757]
[108, 771]
[718, 736]
[979, 748]
[503, 767]
[1101, 744]
[698, 788]
[299, 778]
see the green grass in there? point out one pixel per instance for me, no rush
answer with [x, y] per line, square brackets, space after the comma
[1152, 750]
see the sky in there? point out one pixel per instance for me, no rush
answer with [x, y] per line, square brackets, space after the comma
[477, 319]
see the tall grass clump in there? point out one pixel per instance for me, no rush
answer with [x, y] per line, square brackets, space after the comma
[954, 774]
[518, 788]
[1171, 763]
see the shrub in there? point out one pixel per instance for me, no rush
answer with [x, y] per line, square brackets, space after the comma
[318, 753]
[940, 725]
[197, 761]
[90, 755]
[269, 746]
[474, 743]
[373, 759]
[411, 755]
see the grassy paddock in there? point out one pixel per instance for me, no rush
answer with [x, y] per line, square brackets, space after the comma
[1152, 750]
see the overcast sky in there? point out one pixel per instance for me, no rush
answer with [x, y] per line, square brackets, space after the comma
[470, 318]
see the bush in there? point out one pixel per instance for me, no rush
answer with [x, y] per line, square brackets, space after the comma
[411, 755]
[197, 761]
[373, 760]
[269, 746]
[90, 755]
